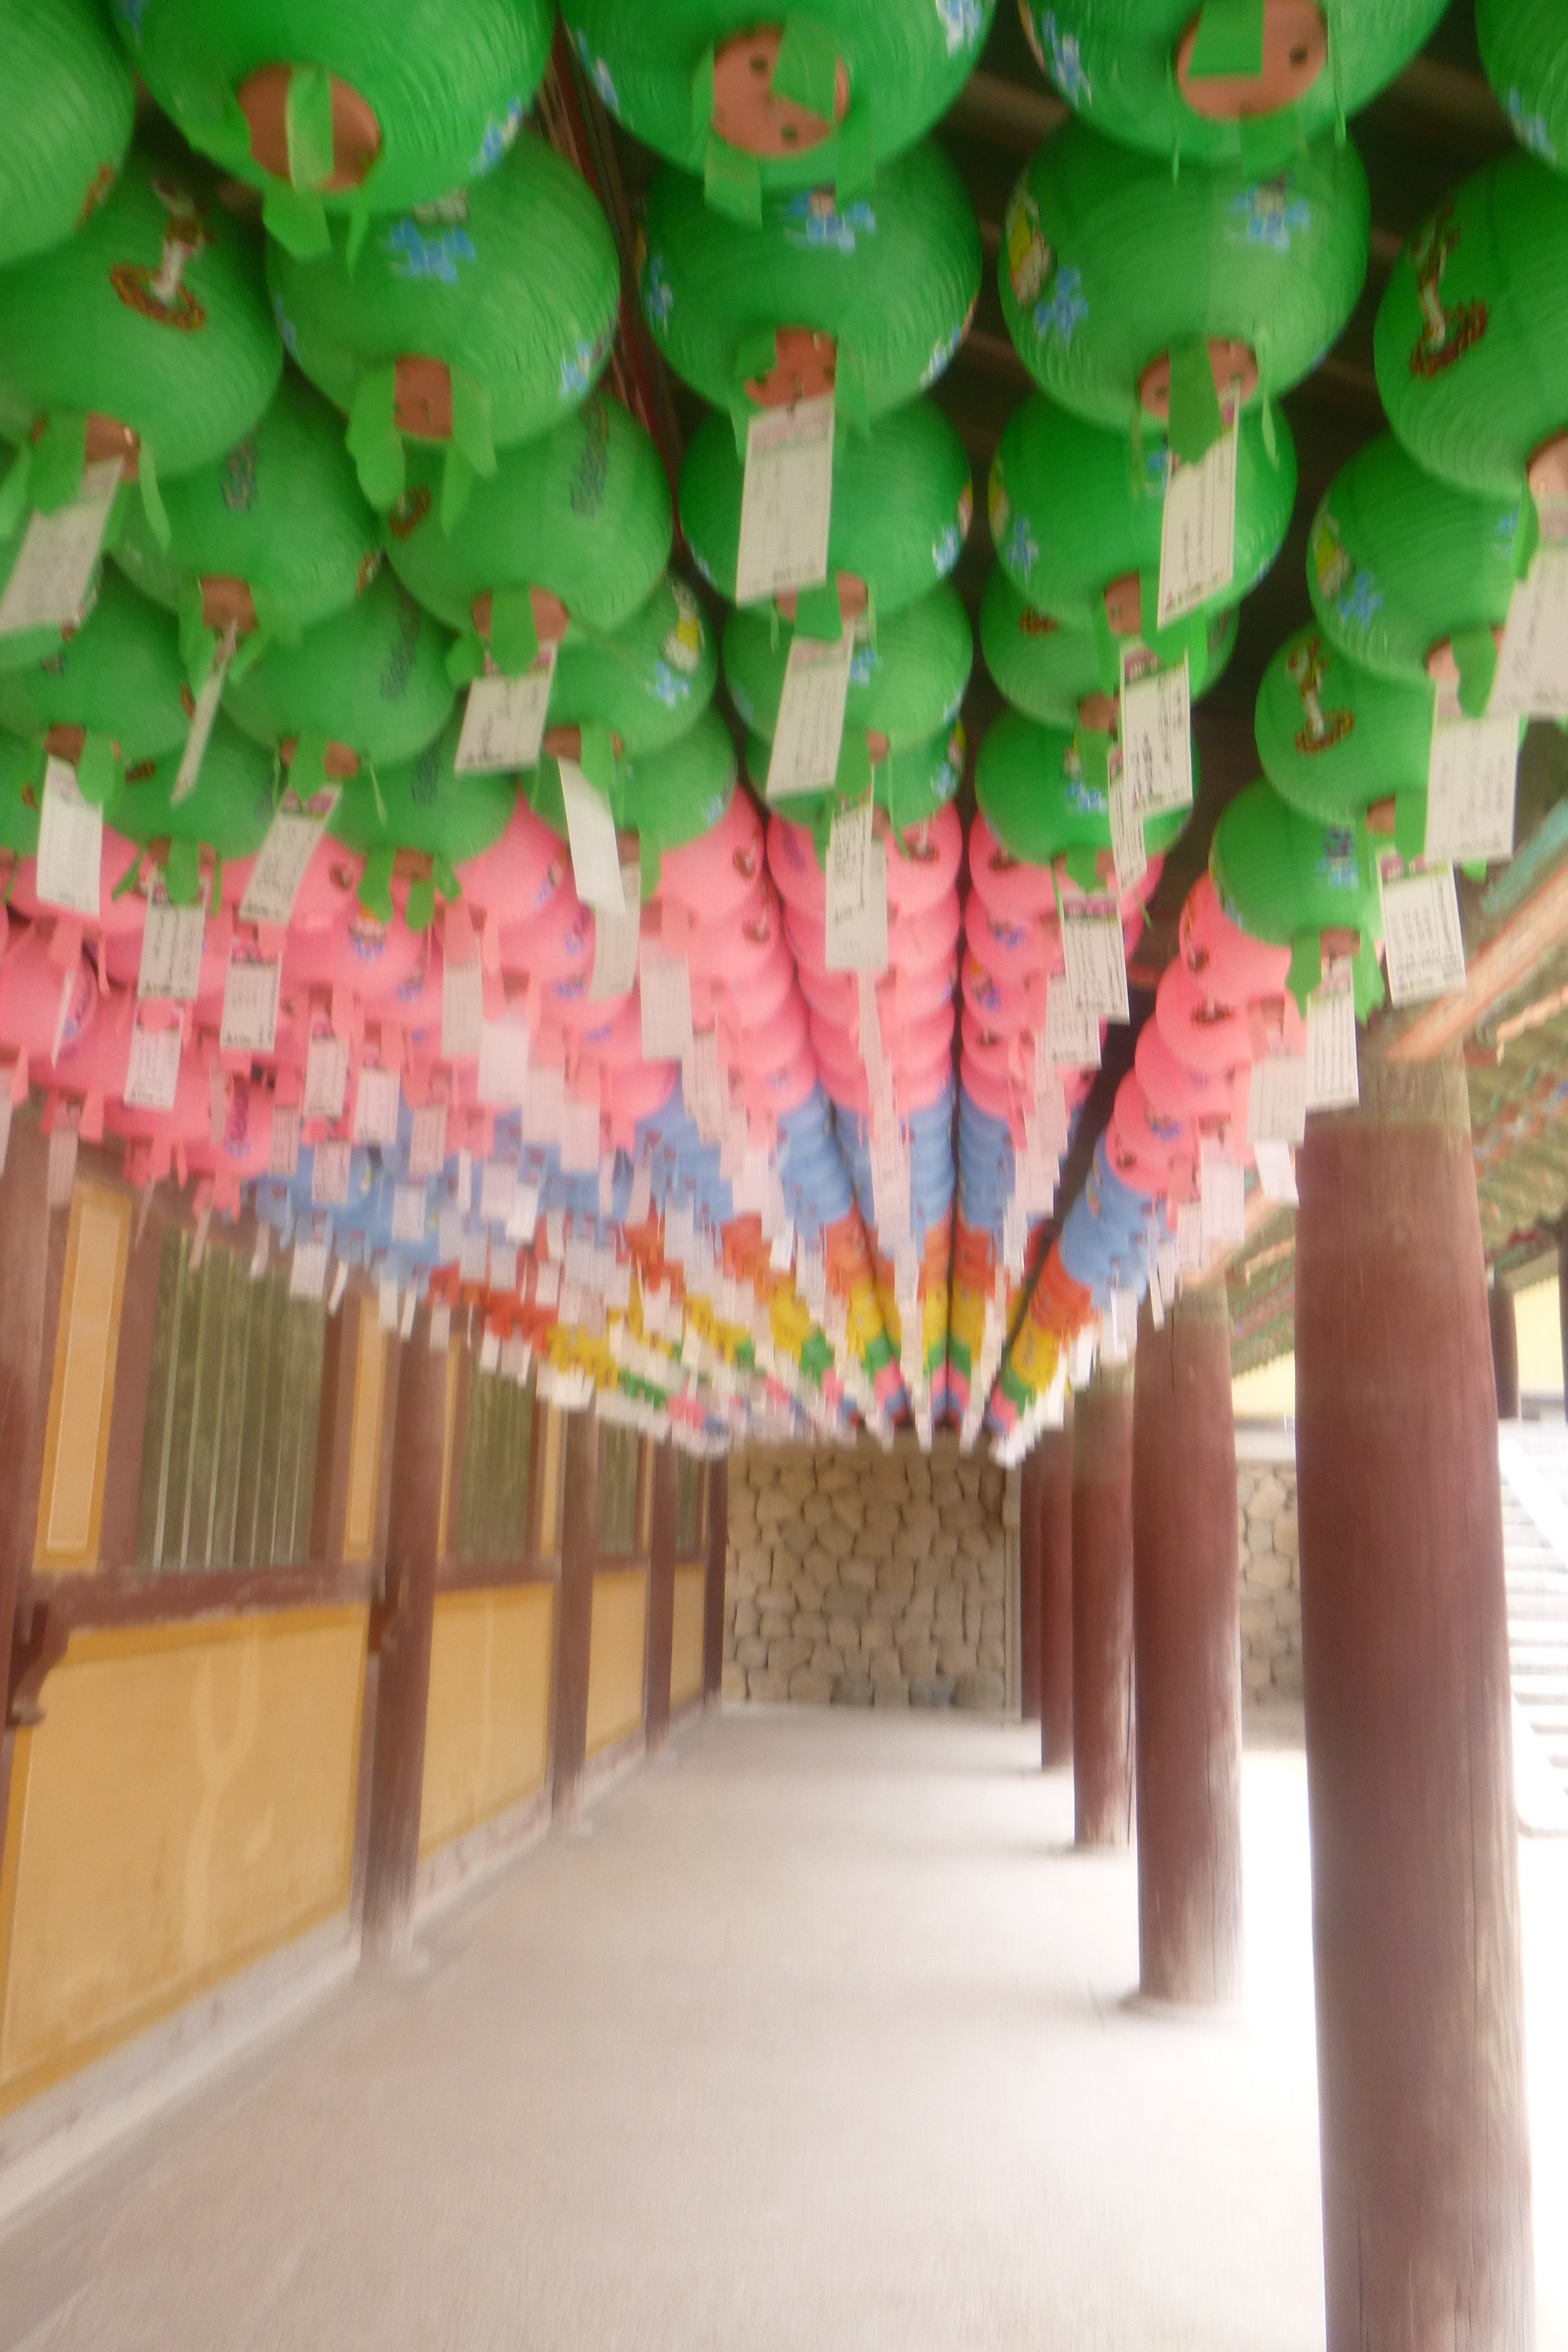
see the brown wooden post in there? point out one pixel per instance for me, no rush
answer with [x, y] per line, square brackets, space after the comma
[1562, 1304]
[574, 1629]
[1425, 2149]
[1054, 1448]
[713, 1590]
[128, 1410]
[1102, 1609]
[660, 1596]
[1505, 1350]
[1186, 1598]
[32, 1269]
[1030, 1485]
[402, 1627]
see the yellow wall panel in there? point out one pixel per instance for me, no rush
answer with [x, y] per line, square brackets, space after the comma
[686, 1647]
[486, 1733]
[549, 1484]
[615, 1655]
[365, 1440]
[82, 1387]
[187, 1805]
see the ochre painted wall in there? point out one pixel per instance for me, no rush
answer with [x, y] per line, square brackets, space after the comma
[365, 1440]
[187, 1805]
[686, 1648]
[81, 1386]
[615, 1655]
[486, 1733]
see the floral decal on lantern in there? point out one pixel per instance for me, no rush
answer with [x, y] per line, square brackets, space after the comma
[816, 221]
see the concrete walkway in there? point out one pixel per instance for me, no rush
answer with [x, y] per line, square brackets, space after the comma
[812, 2036]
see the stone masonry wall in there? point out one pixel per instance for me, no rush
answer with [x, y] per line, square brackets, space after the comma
[1270, 1580]
[864, 1578]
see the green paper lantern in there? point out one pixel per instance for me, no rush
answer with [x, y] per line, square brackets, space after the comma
[228, 809]
[374, 677]
[905, 684]
[1285, 879]
[1030, 788]
[21, 791]
[70, 101]
[902, 504]
[1106, 264]
[426, 807]
[910, 785]
[1047, 667]
[1524, 48]
[650, 682]
[118, 675]
[667, 798]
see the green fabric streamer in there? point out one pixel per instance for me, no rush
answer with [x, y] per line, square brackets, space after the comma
[855, 161]
[650, 864]
[375, 882]
[702, 92]
[1196, 423]
[806, 70]
[1476, 654]
[1229, 40]
[297, 219]
[274, 618]
[375, 793]
[445, 879]
[731, 183]
[14, 490]
[854, 777]
[98, 770]
[1082, 863]
[307, 770]
[472, 421]
[1410, 824]
[308, 126]
[597, 757]
[1306, 967]
[374, 441]
[198, 644]
[249, 652]
[756, 353]
[360, 215]
[740, 415]
[850, 392]
[152, 497]
[1094, 758]
[1266, 420]
[466, 657]
[419, 912]
[818, 613]
[182, 872]
[457, 486]
[514, 640]
[58, 455]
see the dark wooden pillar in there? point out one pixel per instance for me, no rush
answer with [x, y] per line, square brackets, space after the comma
[1102, 1609]
[1505, 1350]
[660, 1596]
[402, 1626]
[1562, 1304]
[1029, 1484]
[1426, 2151]
[1186, 1598]
[574, 1629]
[32, 1270]
[713, 1590]
[1055, 1535]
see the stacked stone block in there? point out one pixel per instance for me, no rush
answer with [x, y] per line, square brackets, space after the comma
[1270, 1581]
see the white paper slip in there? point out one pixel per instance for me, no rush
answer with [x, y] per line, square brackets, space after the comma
[590, 834]
[340, 1283]
[579, 1136]
[781, 1255]
[330, 1175]
[1532, 665]
[205, 711]
[261, 1253]
[440, 1328]
[1277, 1100]
[427, 1142]
[326, 1077]
[547, 1285]
[665, 989]
[1333, 1077]
[1191, 1254]
[53, 571]
[1096, 961]
[286, 851]
[810, 730]
[170, 966]
[408, 1214]
[1070, 1038]
[615, 940]
[1276, 1170]
[463, 1189]
[1424, 947]
[498, 1189]
[153, 1073]
[1156, 731]
[474, 1257]
[545, 1107]
[1168, 1268]
[1472, 778]
[308, 1272]
[1156, 1304]
[504, 719]
[1126, 836]
[386, 1302]
[462, 1010]
[406, 1320]
[249, 1003]
[523, 1214]
[856, 913]
[703, 1083]
[448, 1232]
[283, 1158]
[376, 1101]
[70, 844]
[502, 1081]
[1197, 530]
[787, 499]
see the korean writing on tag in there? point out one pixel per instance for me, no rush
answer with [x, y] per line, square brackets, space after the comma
[503, 1081]
[809, 734]
[153, 1073]
[376, 1100]
[504, 719]
[1277, 1100]
[1127, 847]
[1156, 731]
[250, 1002]
[1334, 1078]
[1471, 778]
[703, 1083]
[202, 718]
[462, 1010]
[1532, 665]
[326, 1077]
[523, 1214]
[408, 1214]
[49, 580]
[170, 966]
[308, 1272]
[615, 940]
[283, 1156]
[856, 915]
[474, 1257]
[1276, 1170]
[665, 988]
[427, 1140]
[545, 1107]
[448, 1232]
[1070, 1038]
[330, 1175]
[286, 851]
[498, 1189]
[1191, 1250]
[1424, 946]
[70, 844]
[1095, 959]
[787, 499]
[1197, 529]
[1222, 1194]
[590, 834]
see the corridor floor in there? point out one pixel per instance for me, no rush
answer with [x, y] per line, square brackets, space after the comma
[814, 2034]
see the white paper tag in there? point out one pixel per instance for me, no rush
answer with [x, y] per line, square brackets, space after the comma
[1277, 1100]
[283, 1159]
[49, 580]
[1169, 1269]
[170, 966]
[810, 732]
[308, 1272]
[406, 1320]
[261, 1253]
[1472, 778]
[249, 1003]
[490, 1352]
[1424, 947]
[787, 499]
[498, 1188]
[781, 1257]
[1156, 731]
[205, 711]
[546, 1285]
[153, 1073]
[856, 915]
[408, 1214]
[1156, 1304]
[448, 1232]
[1126, 836]
[1095, 959]
[462, 1010]
[440, 1328]
[1276, 1170]
[376, 1101]
[428, 1141]
[326, 1077]
[665, 987]
[1334, 1078]
[703, 1083]
[503, 1081]
[615, 940]
[579, 1136]
[1070, 1038]
[70, 844]
[1197, 530]
[463, 1191]
[386, 1302]
[591, 831]
[523, 1214]
[504, 719]
[504, 1266]
[1532, 665]
[545, 1107]
[330, 1175]
[641, 1199]
[286, 851]
[1191, 1252]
